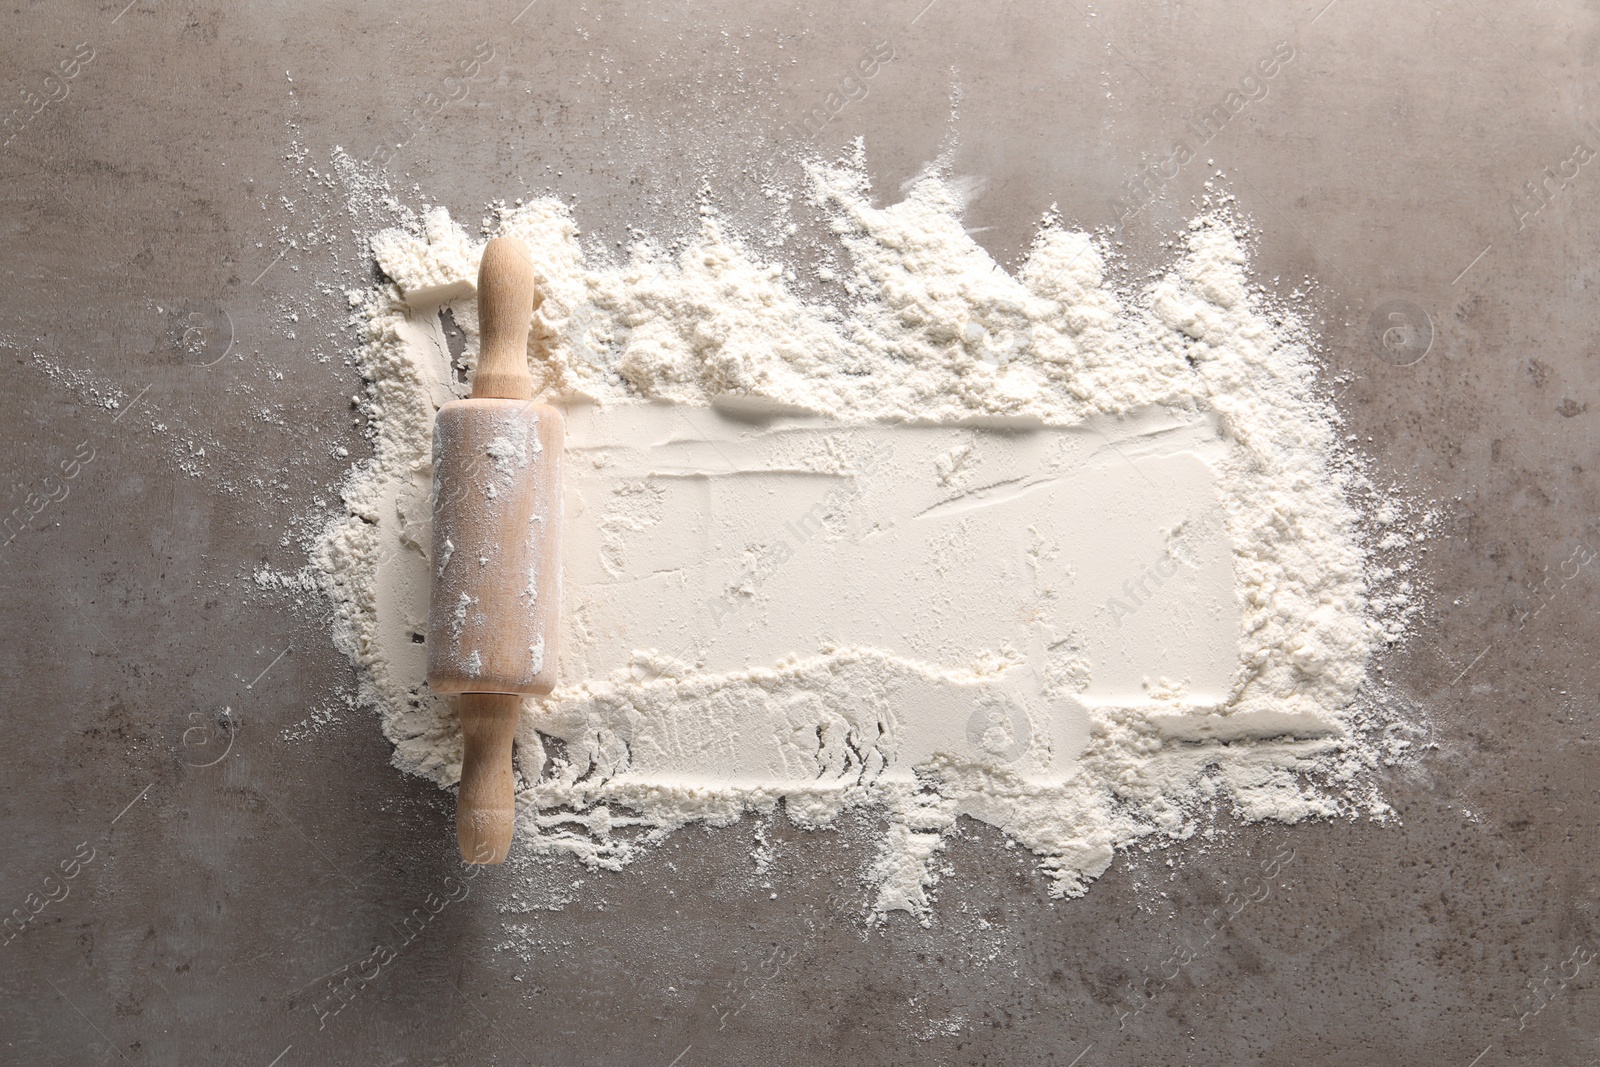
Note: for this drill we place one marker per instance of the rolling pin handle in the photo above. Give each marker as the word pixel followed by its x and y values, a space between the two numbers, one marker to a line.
pixel 486 809
pixel 507 297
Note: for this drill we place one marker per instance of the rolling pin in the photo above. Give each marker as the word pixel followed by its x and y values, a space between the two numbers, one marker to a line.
pixel 496 566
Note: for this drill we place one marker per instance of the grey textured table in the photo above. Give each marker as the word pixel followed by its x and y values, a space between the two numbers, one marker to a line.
pixel 159 191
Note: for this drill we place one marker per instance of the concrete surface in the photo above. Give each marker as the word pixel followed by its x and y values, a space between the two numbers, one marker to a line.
pixel 221 875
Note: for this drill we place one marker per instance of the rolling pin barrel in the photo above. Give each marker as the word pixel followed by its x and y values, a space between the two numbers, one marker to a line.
pixel 496 508
pixel 496 565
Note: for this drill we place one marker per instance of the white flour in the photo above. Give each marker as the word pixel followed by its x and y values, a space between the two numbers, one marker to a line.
pixel 1078 564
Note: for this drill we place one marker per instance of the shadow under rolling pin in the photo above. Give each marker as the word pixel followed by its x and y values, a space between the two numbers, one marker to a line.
pixel 496 561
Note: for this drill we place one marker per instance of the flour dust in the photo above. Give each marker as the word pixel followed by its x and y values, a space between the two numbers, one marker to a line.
pixel 1077 561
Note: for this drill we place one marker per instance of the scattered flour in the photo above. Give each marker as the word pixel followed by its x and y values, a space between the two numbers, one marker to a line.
pixel 1024 723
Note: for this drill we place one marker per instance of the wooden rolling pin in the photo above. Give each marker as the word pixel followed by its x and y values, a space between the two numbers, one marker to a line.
pixel 496 551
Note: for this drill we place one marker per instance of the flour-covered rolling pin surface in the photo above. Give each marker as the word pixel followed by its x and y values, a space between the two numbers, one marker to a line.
pixel 496 559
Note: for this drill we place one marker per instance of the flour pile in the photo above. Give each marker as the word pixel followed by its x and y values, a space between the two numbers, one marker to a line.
pixel 695 688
